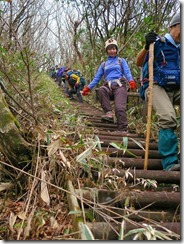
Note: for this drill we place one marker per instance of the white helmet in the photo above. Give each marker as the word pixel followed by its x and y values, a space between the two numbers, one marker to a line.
pixel 111 41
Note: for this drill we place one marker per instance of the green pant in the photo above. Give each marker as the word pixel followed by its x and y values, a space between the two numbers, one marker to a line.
pixel 168 147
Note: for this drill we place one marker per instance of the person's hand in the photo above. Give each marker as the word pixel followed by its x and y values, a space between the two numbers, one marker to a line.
pixel 150 38
pixel 132 84
pixel 85 91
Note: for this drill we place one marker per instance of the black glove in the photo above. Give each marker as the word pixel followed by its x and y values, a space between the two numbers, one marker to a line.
pixel 150 38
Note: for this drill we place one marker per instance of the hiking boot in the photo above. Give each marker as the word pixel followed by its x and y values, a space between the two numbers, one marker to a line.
pixel 108 117
pixel 175 167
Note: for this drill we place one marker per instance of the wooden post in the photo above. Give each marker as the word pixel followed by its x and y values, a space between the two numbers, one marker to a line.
pixel 150 102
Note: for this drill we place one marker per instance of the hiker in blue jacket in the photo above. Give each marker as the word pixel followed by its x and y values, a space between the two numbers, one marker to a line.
pixel 59 75
pixel 166 88
pixel 116 74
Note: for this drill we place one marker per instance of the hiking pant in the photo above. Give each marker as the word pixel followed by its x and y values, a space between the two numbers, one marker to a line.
pixel 163 104
pixel 59 80
pixel 119 95
pixel 76 90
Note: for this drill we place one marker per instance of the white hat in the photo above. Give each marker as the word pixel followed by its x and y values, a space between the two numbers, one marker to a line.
pixel 111 41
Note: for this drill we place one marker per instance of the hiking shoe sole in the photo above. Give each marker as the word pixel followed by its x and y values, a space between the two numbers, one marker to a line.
pixel 175 167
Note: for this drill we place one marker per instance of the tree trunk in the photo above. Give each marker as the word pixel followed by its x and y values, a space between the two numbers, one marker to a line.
pixel 12 145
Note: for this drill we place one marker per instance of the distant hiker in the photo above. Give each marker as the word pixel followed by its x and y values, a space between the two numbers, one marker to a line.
pixel 75 83
pixel 166 88
pixel 52 72
pixel 116 73
pixel 59 75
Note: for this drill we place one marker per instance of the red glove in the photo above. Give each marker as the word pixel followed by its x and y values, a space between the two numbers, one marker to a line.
pixel 85 91
pixel 132 84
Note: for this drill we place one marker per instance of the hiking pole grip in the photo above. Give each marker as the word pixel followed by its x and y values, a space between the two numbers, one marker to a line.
pixel 150 102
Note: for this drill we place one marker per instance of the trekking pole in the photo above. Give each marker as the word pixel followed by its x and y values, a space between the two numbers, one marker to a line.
pixel 150 102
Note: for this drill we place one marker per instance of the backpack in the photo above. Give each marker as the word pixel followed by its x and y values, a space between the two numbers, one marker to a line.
pixel 82 81
pixel 165 75
pixel 74 71
pixel 72 81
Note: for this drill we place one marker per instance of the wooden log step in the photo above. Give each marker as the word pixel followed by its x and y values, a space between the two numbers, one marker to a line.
pixel 140 215
pixel 111 230
pixel 137 199
pixel 161 176
pixel 139 153
pixel 138 163
pixel 130 144
pixel 115 135
pixel 103 125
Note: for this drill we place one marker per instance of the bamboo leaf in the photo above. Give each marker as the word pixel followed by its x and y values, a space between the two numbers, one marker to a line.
pixel 28 226
pixel 138 143
pixel 148 235
pixel 123 148
pixel 5 186
pixel 44 190
pixel 22 215
pixel 134 231
pixel 80 158
pixel 75 212
pixel 53 222
pixel 125 143
pixel 116 145
pixel 127 201
pixel 87 232
pixel 121 234
pixel 53 147
pixel 97 139
pixel 12 220
pixel 89 216
pixel 162 236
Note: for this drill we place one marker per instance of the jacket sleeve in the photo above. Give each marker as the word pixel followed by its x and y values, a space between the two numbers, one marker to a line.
pixel 126 70
pixel 98 76
pixel 141 57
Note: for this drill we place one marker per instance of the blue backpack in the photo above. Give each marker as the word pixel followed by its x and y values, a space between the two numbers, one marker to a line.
pixel 166 74
pixel 77 72
pixel 60 72
pixel 82 80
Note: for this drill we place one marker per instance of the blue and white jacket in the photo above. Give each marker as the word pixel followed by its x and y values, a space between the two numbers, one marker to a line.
pixel 111 71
